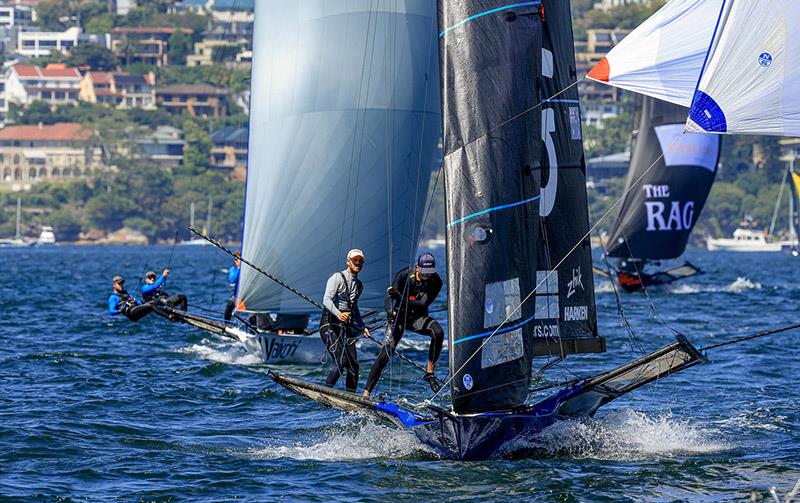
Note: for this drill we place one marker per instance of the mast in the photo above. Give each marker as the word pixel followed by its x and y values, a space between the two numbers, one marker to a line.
pixel 515 197
pixel 671 174
pixel 208 217
pixel 18 235
pixel 191 215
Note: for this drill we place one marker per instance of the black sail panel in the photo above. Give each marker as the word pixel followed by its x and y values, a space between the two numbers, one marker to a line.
pixel 564 302
pixel 657 216
pixel 490 61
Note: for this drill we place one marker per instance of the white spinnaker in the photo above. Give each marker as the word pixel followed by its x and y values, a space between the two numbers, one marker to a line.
pixel 664 55
pixel 751 82
pixel 344 123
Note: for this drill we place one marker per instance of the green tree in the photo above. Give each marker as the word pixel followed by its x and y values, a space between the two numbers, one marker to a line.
pixel 180 44
pixel 94 56
pixel 67 222
pixel 197 149
pixel 100 24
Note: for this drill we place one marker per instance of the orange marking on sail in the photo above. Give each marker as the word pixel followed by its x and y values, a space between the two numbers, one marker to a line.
pixel 600 71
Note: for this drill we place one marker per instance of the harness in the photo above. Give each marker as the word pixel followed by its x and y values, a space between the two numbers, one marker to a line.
pixel 327 317
pixel 126 301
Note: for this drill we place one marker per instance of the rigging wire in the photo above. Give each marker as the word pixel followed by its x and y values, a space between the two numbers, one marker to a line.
pixel 426 208
pixel 355 132
pixel 751 336
pixel 571 250
pixel 647 295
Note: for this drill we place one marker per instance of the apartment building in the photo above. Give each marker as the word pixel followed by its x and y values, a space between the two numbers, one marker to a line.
pixel 199 100
pixel 119 89
pixel 600 101
pixel 55 84
pixel 29 154
pixel 229 151
pixel 37 44
pixel 149 46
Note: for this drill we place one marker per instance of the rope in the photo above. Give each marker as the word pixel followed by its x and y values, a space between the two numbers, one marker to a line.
pixel 515 117
pixel 255 267
pixel 575 247
pixel 752 336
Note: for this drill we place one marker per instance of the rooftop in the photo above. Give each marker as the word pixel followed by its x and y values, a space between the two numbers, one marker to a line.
pixel 192 89
pixel 50 71
pixel 62 131
pixel 145 30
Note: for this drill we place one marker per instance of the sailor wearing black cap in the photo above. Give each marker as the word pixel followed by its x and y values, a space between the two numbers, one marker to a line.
pixel 153 292
pixel 121 302
pixel 341 320
pixel 406 304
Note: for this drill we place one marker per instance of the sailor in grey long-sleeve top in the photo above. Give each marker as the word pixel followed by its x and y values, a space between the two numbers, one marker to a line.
pixel 337 292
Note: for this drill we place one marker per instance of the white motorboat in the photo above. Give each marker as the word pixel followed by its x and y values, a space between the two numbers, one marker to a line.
pixel 746 240
pixel 47 236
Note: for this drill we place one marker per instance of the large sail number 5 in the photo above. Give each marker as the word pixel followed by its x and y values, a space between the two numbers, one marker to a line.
pixel 548 193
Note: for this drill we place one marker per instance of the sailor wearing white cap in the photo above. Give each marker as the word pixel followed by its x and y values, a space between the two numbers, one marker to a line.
pixel 341 321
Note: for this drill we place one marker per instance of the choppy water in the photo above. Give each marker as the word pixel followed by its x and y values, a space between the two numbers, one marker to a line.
pixel 93 408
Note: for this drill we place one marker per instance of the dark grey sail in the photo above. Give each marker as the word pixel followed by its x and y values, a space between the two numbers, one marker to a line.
pixel 515 197
pixel 570 325
pixel 658 215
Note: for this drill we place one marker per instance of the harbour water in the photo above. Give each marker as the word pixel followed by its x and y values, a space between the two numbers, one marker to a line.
pixel 98 408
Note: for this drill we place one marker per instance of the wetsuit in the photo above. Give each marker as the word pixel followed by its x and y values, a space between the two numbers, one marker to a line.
pixel 155 292
pixel 233 279
pixel 341 294
pixel 406 304
pixel 125 304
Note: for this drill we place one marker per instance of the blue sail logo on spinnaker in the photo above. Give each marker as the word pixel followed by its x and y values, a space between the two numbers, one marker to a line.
pixel 765 59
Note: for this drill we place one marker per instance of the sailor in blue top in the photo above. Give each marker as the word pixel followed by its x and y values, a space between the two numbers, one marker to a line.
pixel 121 302
pixel 233 279
pixel 153 292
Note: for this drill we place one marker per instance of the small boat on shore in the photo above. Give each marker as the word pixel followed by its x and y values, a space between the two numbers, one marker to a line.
pixel 47 236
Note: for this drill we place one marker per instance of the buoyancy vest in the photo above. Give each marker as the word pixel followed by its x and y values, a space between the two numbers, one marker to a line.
pixel 126 301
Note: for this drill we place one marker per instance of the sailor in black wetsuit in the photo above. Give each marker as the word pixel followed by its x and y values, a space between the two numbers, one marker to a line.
pixel 153 293
pixel 233 279
pixel 121 302
pixel 406 304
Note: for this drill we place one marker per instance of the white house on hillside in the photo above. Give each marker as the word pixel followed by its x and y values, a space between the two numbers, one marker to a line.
pixel 36 44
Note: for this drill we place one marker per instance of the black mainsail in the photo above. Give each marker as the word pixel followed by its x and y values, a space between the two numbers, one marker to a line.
pixel 676 171
pixel 515 197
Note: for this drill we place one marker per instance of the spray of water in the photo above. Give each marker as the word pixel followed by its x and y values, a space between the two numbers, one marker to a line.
pixel 349 440
pixel 233 354
pixel 627 435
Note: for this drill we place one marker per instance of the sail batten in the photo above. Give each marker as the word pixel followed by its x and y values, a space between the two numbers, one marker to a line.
pixel 344 124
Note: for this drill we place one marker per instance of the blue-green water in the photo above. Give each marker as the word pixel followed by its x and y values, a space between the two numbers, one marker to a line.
pixel 95 408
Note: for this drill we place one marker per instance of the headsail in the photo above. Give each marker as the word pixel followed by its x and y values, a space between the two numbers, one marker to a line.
pixel 658 215
pixel 515 196
pixel 750 82
pixel 663 56
pixel 344 123
pixel 736 63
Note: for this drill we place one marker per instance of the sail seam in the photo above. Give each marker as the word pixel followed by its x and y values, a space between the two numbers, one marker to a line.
pixel 494 208
pixel 498 331
pixel 486 13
